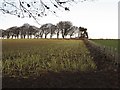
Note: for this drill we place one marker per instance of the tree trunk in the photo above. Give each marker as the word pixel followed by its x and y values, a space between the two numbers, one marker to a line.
pixel 41 36
pixel 86 34
pixel 34 36
pixel 57 35
pixel 45 36
pixel 51 36
pixel 12 36
pixel 24 36
pixel 63 36
pixel 37 36
pixel 8 36
pixel 28 36
pixel 17 36
pixel 20 36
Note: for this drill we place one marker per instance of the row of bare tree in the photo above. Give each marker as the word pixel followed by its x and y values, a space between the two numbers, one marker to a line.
pixel 63 27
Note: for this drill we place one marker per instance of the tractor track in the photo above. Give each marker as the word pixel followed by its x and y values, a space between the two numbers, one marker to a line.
pixel 104 65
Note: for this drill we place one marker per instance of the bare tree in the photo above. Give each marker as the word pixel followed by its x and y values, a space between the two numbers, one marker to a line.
pixel 64 27
pixel 52 30
pixel 17 32
pixel 41 32
pixel 46 29
pixel 84 33
pixel 35 8
pixel 1 33
pixel 35 31
pixel 32 31
pixel 60 26
pixel 24 30
pixel 7 33
pixel 13 31
pixel 72 30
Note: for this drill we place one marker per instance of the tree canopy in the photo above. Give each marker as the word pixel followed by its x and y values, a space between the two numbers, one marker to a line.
pixel 64 28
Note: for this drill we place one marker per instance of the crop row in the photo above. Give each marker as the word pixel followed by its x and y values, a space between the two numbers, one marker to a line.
pixel 33 57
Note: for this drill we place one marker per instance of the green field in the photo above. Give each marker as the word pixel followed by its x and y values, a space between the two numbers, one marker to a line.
pixel 32 57
pixel 108 42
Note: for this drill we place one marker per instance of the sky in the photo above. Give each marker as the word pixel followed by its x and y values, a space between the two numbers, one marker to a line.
pixel 100 17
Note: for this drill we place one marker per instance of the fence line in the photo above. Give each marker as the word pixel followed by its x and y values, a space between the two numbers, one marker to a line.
pixel 109 52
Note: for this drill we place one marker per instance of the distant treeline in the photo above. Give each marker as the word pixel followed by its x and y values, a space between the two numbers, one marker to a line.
pixel 64 28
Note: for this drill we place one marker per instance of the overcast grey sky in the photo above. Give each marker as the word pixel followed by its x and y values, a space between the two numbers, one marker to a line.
pixel 99 17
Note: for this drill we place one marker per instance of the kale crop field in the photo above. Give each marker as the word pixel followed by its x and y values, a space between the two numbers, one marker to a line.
pixel 30 57
pixel 35 63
